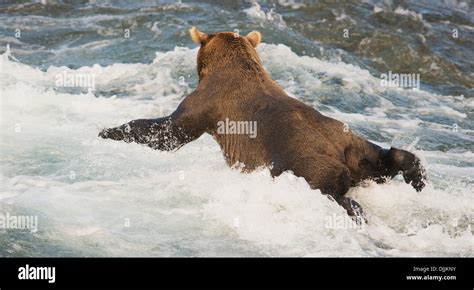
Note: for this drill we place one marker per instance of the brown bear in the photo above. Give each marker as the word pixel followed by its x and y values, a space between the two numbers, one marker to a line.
pixel 235 93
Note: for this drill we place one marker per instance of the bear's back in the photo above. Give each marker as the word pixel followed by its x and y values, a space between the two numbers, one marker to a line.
pixel 285 127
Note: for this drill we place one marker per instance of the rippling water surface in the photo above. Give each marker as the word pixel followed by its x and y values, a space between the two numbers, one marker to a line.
pixel 97 197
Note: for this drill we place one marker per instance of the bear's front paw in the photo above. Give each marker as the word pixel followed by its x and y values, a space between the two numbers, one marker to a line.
pixel 112 133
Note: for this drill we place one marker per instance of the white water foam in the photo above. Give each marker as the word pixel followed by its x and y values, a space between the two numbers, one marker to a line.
pixel 101 197
pixel 256 12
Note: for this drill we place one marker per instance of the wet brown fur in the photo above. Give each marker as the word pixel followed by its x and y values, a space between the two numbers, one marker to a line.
pixel 290 134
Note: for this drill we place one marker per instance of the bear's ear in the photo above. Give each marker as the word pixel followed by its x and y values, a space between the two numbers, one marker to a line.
pixel 254 37
pixel 197 36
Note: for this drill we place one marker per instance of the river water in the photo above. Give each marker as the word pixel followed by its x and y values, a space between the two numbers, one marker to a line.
pixel 96 197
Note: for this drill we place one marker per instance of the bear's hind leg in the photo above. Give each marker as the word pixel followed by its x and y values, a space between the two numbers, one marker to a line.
pixel 332 177
pixel 401 161
pixel 353 208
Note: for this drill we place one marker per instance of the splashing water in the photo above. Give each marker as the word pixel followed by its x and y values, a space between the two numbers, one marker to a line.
pixel 96 197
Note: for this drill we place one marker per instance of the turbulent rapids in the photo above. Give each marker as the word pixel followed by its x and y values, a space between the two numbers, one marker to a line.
pixel 94 197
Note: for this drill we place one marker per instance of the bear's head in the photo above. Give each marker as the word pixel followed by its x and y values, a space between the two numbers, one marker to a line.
pixel 227 50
